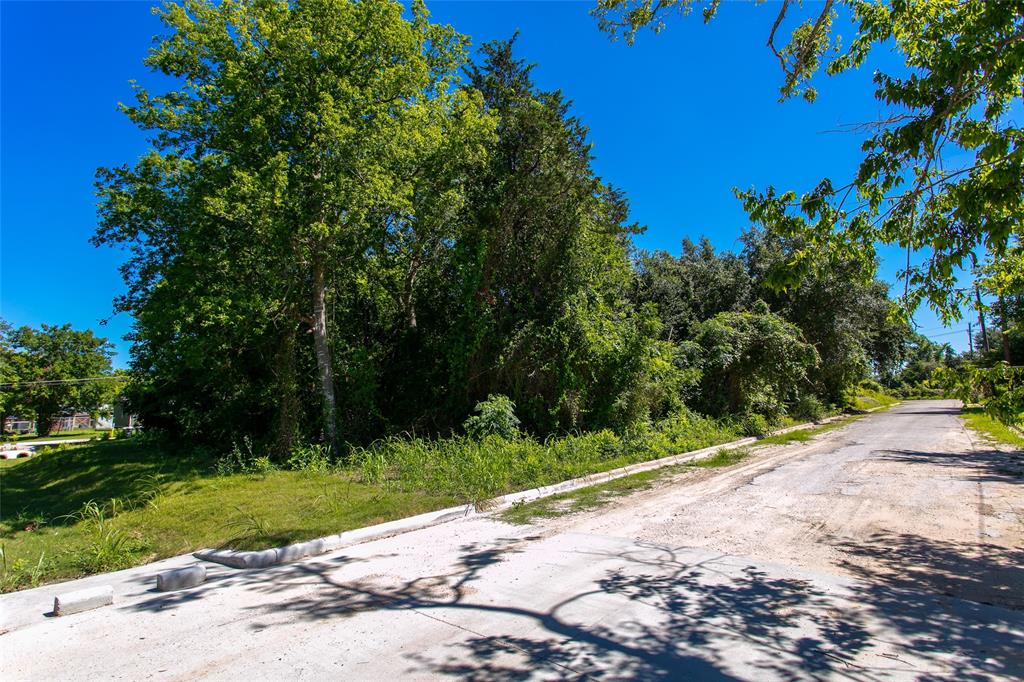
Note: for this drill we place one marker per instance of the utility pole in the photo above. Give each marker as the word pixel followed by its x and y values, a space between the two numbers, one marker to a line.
pixel 970 339
pixel 1006 331
pixel 981 317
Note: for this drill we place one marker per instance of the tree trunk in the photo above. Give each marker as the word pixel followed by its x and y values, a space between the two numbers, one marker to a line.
pixel 1006 331
pixel 323 354
pixel 408 298
pixel 981 318
pixel 44 422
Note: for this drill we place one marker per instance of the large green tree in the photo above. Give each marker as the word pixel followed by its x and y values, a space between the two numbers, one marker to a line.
pixel 301 140
pixel 544 272
pixel 693 287
pixel 751 362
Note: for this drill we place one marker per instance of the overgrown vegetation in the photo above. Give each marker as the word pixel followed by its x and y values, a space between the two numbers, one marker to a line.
pixel 992 428
pixel 106 505
pixel 600 495
pixel 486 286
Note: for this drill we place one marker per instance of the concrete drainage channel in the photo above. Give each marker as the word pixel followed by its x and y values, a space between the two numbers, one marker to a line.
pixel 194 575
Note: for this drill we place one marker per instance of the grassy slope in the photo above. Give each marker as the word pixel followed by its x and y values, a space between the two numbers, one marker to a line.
pixel 63 435
pixel 990 427
pixel 104 505
pixel 867 399
pixel 168 505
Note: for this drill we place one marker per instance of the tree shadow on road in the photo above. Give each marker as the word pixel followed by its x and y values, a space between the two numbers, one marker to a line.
pixel 984 573
pixel 990 466
pixel 666 615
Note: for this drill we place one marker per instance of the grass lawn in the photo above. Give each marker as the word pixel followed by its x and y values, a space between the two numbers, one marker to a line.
pixel 990 427
pixel 63 435
pixel 148 504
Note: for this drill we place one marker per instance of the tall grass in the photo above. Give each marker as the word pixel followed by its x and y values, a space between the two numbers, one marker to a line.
pixel 476 469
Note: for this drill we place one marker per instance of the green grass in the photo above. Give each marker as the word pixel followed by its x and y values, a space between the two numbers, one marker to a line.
pixel 477 470
pixel 867 399
pixel 64 435
pixel 73 510
pixel 990 427
pixel 804 435
pixel 109 505
pixel 600 495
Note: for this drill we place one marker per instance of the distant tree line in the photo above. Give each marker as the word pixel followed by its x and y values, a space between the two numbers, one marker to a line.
pixel 53 371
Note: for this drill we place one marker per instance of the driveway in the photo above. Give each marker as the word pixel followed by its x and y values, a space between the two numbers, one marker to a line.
pixel 887 549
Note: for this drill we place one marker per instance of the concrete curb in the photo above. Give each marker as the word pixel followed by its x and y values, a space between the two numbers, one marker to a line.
pixel 181 578
pixel 301 550
pixel 82 600
pixel 280 555
pixel 593 479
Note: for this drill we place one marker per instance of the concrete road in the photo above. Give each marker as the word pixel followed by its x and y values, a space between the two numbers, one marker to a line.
pixel 888 549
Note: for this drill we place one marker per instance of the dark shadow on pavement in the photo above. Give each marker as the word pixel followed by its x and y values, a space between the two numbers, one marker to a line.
pixel 678 619
pixel 990 466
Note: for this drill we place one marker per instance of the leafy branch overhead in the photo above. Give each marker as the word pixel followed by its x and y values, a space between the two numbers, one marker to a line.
pixel 943 169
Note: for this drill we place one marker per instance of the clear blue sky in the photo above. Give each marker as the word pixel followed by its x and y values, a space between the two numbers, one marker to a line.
pixel 676 121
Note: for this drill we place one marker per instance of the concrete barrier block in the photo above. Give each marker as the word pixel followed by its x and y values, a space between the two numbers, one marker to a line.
pixel 82 600
pixel 181 578
pixel 262 559
pixel 300 550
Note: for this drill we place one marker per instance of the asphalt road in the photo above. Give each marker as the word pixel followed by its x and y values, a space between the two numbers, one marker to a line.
pixel 888 549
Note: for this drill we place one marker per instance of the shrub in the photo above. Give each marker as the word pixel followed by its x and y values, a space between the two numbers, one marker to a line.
pixel 495 416
pixel 243 460
pixel 756 425
pixel 808 408
pixel 872 385
pixel 312 458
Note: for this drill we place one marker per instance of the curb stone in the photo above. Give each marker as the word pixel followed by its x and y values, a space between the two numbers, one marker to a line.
pixel 181 578
pixel 82 600
pixel 280 555
pixel 300 550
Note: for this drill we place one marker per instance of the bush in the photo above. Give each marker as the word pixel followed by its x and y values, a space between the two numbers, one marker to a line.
pixel 872 385
pixel 475 469
pixel 243 460
pixel 808 408
pixel 756 425
pixel 495 416
pixel 312 458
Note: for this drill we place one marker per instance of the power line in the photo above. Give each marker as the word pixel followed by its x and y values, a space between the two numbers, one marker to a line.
pixel 950 333
pixel 56 382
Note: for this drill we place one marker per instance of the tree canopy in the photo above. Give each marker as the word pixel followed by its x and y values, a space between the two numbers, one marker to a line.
pixel 54 370
pixel 347 228
pixel 943 167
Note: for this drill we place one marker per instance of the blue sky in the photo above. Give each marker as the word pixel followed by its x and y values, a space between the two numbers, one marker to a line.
pixel 677 121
